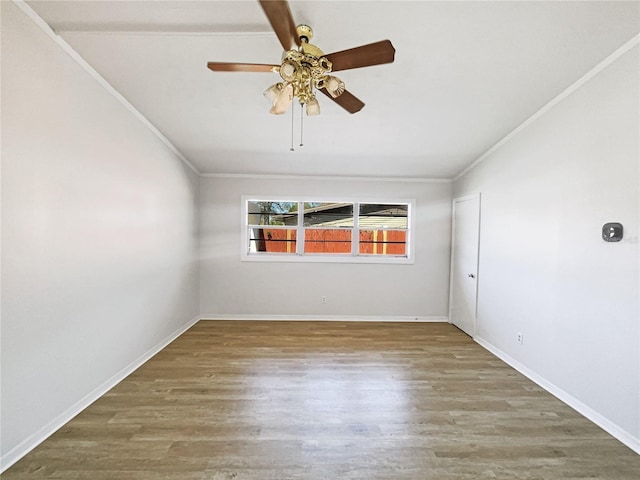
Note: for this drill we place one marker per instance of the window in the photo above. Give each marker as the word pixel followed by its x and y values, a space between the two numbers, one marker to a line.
pixel 328 228
pixel 321 230
pixel 272 227
pixel 383 228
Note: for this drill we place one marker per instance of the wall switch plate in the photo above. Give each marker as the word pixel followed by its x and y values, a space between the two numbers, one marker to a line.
pixel 612 232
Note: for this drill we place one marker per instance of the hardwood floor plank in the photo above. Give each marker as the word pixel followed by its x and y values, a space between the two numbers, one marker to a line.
pixel 327 400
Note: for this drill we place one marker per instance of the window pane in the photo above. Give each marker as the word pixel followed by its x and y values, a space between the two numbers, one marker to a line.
pixel 383 242
pixel 327 240
pixel 272 240
pixel 382 215
pixel 328 214
pixel 272 213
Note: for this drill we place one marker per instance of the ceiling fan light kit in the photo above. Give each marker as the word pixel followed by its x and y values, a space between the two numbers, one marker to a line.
pixel 334 86
pixel 273 92
pixel 305 68
pixel 313 107
pixel 283 100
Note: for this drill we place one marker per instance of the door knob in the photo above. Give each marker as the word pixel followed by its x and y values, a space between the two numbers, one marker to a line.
pixel 471 275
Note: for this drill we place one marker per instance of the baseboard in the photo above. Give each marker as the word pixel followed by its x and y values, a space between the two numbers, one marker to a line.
pixel 31 442
pixel 607 425
pixel 324 318
pixel 20 450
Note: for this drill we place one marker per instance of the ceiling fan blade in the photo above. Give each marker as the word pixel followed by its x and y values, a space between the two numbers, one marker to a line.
pixel 347 101
pixel 363 56
pixel 281 20
pixel 241 67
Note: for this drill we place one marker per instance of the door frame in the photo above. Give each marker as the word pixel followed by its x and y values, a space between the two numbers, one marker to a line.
pixel 464 198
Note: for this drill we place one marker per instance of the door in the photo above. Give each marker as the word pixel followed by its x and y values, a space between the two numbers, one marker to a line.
pixel 465 243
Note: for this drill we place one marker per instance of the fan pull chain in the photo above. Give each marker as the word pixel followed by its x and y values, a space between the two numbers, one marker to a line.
pixel 291 149
pixel 301 119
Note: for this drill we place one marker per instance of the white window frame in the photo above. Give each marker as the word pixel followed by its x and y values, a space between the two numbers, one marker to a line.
pixel 300 256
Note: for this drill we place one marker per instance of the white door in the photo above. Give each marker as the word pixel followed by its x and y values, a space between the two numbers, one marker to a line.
pixel 464 263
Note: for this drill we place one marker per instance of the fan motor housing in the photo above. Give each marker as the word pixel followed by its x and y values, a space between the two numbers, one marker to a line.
pixel 311 50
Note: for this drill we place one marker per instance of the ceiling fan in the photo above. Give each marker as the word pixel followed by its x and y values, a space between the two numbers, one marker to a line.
pixel 305 68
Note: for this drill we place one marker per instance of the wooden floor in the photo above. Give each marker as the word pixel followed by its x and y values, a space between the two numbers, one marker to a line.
pixel 318 400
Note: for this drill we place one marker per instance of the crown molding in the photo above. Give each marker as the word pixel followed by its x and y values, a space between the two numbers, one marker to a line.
pixel 262 176
pixel 29 12
pixel 572 88
pixel 70 30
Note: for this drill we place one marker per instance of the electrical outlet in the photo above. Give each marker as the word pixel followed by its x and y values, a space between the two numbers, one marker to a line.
pixel 324 299
pixel 519 338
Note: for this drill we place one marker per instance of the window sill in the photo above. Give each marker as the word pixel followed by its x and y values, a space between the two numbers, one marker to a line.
pixel 346 258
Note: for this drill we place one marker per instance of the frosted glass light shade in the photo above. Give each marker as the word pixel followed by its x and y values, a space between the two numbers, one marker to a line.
pixel 313 107
pixel 288 71
pixel 334 86
pixel 273 92
pixel 283 101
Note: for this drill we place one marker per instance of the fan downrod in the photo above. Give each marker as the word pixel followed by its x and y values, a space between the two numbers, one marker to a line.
pixel 304 32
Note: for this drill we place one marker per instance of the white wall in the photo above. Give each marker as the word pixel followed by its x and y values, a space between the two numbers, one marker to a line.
pixel 544 269
pixel 231 288
pixel 99 236
pixel 99 244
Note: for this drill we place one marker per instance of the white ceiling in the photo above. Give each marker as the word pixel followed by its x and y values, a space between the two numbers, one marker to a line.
pixel 465 75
